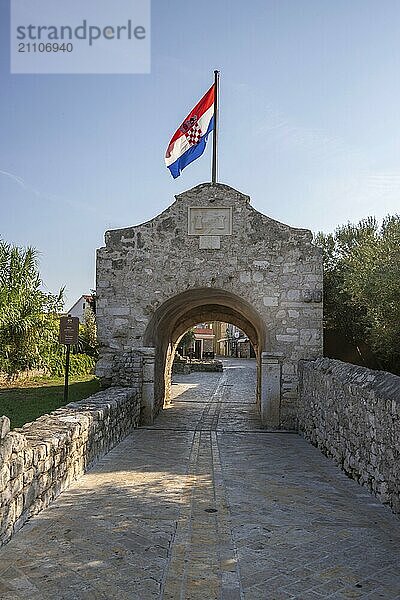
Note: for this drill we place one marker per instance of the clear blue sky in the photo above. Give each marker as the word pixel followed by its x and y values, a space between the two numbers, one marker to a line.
pixel 310 125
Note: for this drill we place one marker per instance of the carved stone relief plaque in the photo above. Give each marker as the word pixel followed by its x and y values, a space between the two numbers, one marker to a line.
pixel 209 221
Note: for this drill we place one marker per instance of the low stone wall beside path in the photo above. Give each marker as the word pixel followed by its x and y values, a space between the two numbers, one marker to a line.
pixel 353 415
pixel 41 459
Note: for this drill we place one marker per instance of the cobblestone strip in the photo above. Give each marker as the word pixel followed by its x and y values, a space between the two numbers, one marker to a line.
pixel 209 418
pixel 203 563
pixel 173 585
pixel 231 588
pixel 203 574
pixel 193 567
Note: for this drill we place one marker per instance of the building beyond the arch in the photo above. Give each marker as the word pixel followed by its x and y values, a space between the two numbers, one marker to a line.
pixel 209 256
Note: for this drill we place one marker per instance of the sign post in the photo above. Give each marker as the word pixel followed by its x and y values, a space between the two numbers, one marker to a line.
pixel 69 332
pixel 66 374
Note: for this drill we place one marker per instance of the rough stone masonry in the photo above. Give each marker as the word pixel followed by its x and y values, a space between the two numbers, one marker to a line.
pixel 209 256
pixel 41 459
pixel 352 414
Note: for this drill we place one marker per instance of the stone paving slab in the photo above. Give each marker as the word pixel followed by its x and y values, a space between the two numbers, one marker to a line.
pixel 206 505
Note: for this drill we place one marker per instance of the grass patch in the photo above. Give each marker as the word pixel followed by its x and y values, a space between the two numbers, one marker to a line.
pixel 25 402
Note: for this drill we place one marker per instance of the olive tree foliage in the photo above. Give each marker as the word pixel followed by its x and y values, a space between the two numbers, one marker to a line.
pixel 88 334
pixel 27 314
pixel 187 340
pixel 362 285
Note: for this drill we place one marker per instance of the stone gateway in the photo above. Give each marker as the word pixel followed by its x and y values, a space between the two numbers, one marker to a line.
pixel 210 256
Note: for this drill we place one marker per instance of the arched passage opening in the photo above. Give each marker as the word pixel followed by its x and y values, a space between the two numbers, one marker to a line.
pixel 173 318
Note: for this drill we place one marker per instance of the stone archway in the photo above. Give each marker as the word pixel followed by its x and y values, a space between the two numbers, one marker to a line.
pixel 179 313
pixel 209 256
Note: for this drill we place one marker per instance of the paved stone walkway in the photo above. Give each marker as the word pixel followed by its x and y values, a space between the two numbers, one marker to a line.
pixel 205 505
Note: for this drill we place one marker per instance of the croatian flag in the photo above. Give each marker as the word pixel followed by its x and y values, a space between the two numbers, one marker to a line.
pixel 189 141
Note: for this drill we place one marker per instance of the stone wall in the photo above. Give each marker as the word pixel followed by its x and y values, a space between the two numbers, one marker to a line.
pixel 353 415
pixel 210 366
pixel 41 459
pixel 127 370
pixel 185 367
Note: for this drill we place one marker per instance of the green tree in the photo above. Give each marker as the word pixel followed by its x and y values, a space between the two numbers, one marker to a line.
pixel 26 312
pixel 187 340
pixel 88 334
pixel 362 285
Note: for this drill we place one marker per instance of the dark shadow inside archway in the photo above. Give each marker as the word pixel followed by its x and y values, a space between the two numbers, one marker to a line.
pixel 173 318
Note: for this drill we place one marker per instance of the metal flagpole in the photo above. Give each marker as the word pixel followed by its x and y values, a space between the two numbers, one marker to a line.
pixel 215 132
